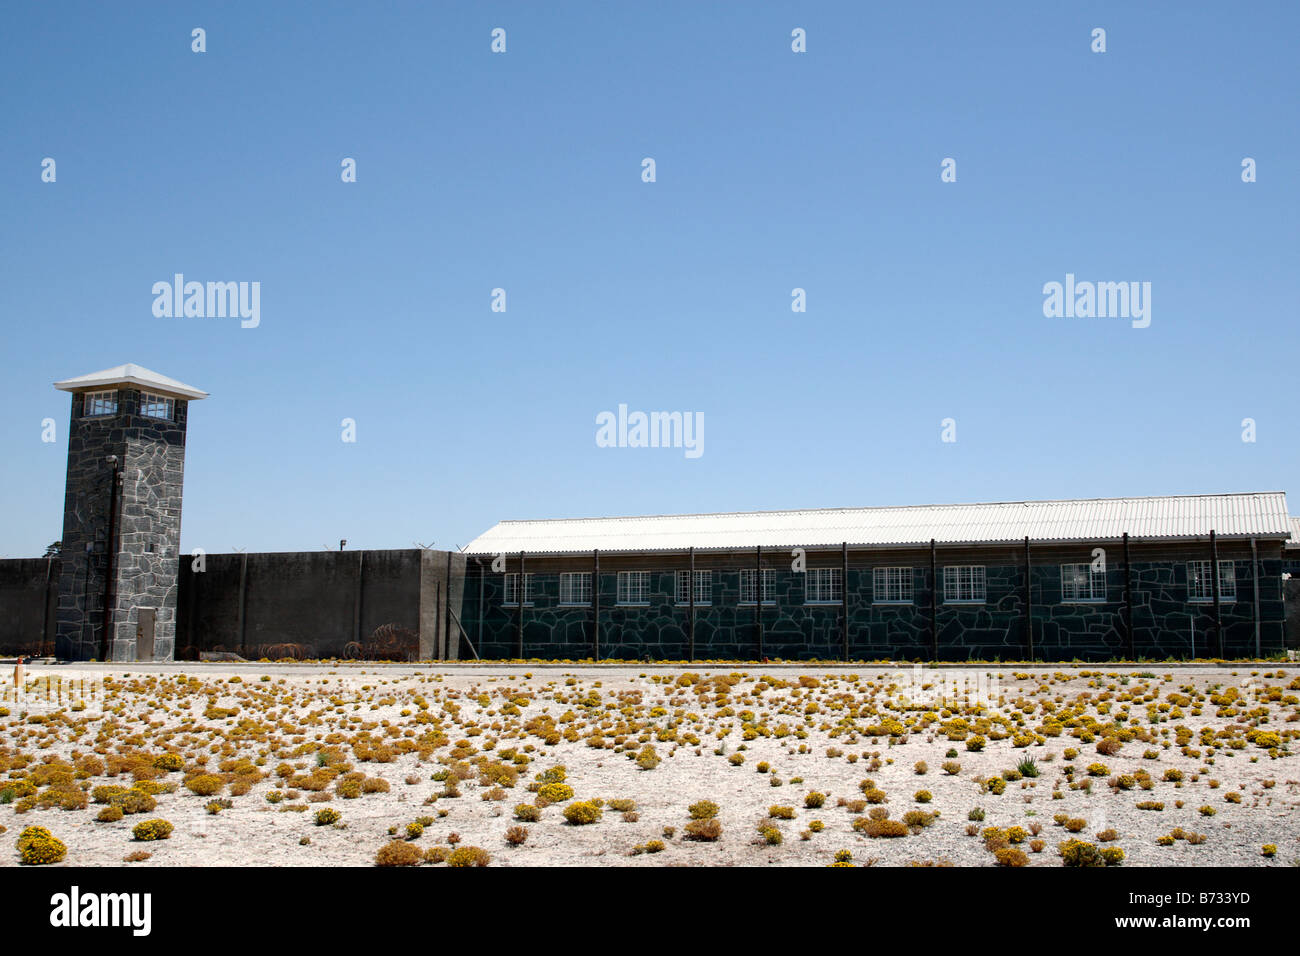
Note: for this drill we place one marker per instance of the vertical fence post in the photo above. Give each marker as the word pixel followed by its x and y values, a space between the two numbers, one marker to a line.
pixel 520 594
pixel 446 641
pixel 1128 601
pixel 1214 578
pixel 1254 577
pixel 690 589
pixel 758 597
pixel 243 591
pixel 934 599
pixel 844 599
pixel 1029 602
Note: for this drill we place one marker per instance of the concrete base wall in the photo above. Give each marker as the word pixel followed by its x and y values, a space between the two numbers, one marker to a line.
pixel 29 594
pixel 311 604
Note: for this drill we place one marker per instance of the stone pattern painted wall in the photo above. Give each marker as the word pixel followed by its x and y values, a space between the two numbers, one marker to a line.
pixel 151 454
pixel 1165 623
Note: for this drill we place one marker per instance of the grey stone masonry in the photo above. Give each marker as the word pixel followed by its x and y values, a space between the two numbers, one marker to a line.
pixel 149 471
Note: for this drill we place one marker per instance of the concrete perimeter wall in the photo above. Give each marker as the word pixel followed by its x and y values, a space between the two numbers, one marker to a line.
pixel 426 605
pixel 29 595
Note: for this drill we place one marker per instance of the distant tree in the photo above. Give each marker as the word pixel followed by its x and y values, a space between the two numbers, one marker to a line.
pixel 53 550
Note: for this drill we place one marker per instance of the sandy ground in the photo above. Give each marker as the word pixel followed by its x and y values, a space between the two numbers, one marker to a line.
pixel 822 738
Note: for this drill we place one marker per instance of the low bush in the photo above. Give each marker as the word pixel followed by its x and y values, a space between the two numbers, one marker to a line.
pixel 398 853
pixel 147 830
pixel 464 856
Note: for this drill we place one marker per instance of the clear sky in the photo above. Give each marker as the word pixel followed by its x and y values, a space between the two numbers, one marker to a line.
pixel 774 170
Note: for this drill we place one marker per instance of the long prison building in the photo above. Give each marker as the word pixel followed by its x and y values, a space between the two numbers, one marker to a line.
pixel 1048 580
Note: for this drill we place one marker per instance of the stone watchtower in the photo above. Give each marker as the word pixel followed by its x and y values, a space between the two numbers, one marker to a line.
pixel 122 515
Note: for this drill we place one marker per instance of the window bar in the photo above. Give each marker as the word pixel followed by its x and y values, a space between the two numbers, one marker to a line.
pixel 595 604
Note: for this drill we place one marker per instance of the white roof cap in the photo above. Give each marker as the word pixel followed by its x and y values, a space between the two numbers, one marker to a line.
pixel 1169 517
pixel 130 374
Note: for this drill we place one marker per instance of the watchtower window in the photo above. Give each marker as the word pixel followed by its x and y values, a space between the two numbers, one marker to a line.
pixel 101 403
pixel 155 406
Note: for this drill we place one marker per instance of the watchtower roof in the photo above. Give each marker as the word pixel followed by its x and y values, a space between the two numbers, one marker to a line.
pixel 131 374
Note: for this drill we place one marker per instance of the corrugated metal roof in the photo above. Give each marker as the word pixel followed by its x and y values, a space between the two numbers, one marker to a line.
pixel 1261 515
pixel 1295 533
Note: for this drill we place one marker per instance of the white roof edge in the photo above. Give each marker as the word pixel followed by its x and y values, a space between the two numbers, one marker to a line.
pixel 1169 518
pixel 131 374
pixel 869 545
pixel 943 504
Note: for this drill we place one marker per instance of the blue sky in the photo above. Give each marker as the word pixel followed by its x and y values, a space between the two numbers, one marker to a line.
pixel 775 170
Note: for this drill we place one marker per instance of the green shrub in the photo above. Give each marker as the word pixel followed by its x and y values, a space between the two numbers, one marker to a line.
pixel 469 856
pixel 327 816
pixel 205 784
pixel 703 810
pixel 707 831
pixel 168 763
pixel 398 853
pixel 147 830
pixel 1010 856
pixel 582 813
pixel 880 828
pixel 1080 853
pixel 37 847
pixel 135 801
pixel 555 792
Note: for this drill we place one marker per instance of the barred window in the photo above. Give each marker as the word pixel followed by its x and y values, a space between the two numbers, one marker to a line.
pixel 703 587
pixel 100 403
pixel 823 585
pixel 634 587
pixel 1201 588
pixel 155 406
pixel 575 587
pixel 964 582
pixel 1082 582
pixel 891 585
pixel 747 577
pixel 512 589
